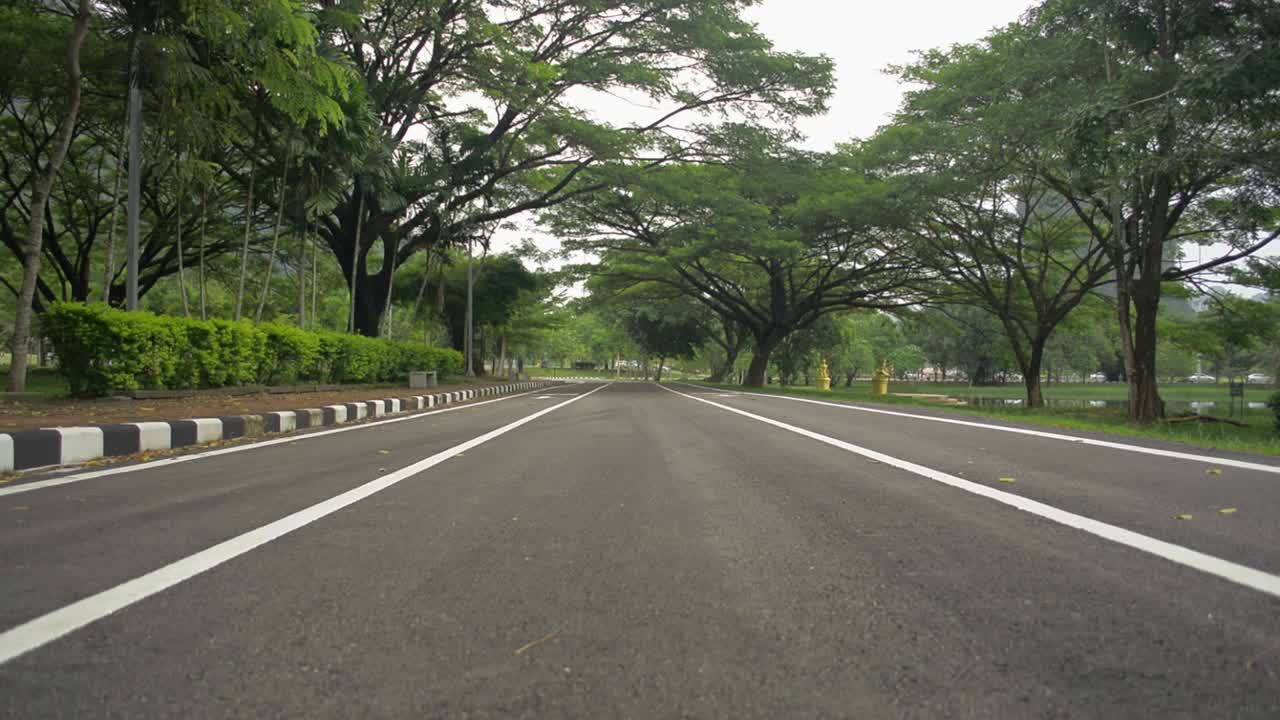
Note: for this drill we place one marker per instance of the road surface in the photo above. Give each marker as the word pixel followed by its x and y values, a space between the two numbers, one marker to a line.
pixel 631 551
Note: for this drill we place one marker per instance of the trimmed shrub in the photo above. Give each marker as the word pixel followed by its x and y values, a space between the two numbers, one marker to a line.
pixel 291 355
pixel 101 349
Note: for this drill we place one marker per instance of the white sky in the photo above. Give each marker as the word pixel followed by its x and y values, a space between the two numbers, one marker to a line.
pixel 862 38
pixel 865 37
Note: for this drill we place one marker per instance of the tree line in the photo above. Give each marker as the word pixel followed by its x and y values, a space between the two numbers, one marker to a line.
pixel 215 145
pixel 1076 166
pixel 1094 153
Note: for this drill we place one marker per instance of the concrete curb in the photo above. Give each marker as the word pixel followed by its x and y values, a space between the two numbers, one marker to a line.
pixel 26 449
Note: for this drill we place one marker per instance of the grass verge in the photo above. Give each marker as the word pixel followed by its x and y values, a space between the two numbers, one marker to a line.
pixel 1258 436
pixel 45 381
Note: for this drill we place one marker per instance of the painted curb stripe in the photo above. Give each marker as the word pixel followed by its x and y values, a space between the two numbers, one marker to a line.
pixel 49 447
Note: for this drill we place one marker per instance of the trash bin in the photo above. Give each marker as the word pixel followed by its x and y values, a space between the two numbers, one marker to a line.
pixel 421 379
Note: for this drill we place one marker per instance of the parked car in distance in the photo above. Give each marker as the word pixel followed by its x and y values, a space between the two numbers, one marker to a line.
pixel 1258 379
pixel 1098 377
pixel 1201 378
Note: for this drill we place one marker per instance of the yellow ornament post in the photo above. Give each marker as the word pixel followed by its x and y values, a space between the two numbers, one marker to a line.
pixel 880 380
pixel 824 377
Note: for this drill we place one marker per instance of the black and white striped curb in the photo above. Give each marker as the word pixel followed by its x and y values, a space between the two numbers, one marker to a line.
pixel 25 449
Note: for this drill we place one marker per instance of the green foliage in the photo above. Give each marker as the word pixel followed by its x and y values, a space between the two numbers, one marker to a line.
pixel 666 331
pixel 907 359
pixel 101 350
pixel 1273 403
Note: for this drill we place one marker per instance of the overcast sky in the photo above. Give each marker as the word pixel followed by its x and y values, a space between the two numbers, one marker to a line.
pixel 863 38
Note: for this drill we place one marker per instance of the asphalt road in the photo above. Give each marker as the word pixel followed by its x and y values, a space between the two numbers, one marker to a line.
pixel 628 551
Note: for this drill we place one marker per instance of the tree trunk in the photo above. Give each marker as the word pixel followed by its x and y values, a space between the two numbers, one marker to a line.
pixel 422 289
pixel 730 359
pixel 182 275
pixel 315 265
pixel 275 235
pixel 244 251
pixel 39 198
pixel 1031 374
pixel 1145 405
pixel 502 354
pixel 302 278
pixel 468 331
pixel 315 285
pixel 356 266
pixel 389 265
pixel 302 258
pixel 204 227
pixel 133 218
pixel 759 367
pixel 109 272
pixel 657 375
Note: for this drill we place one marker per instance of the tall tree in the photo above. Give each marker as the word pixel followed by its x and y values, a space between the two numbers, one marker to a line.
pixel 1165 114
pixel 772 243
pixel 483 100
pixel 666 331
pixel 40 196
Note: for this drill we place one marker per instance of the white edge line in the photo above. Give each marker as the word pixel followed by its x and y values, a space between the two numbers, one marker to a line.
pixel 51 626
pixel 1225 569
pixel 1243 464
pixel 79 477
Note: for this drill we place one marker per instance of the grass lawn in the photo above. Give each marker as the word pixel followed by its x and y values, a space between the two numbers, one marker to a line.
pixel 1177 392
pixel 1258 436
pixel 45 381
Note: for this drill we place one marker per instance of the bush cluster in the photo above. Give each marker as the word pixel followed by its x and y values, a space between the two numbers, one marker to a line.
pixel 101 349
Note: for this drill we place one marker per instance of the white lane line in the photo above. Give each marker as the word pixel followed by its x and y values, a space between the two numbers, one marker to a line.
pixel 1225 569
pixel 47 628
pixel 1228 462
pixel 79 477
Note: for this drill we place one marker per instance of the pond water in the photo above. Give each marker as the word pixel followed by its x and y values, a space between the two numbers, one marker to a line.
pixel 1174 407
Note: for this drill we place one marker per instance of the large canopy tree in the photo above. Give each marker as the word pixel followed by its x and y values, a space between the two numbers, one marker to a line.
pixel 770 243
pixel 996 234
pixel 487 109
pixel 204 65
pixel 1162 121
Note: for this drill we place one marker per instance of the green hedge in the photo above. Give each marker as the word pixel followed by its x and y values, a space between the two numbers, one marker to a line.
pixel 101 349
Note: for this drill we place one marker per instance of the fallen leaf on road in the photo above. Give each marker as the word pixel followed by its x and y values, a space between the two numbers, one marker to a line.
pixel 382 470
pixel 1182 517
pixel 1213 471
pixel 1008 480
pixel 384 452
pixel 1227 511
pixel 458 455
pixel 529 646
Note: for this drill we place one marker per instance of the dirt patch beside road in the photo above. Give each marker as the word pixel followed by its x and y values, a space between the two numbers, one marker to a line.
pixel 104 411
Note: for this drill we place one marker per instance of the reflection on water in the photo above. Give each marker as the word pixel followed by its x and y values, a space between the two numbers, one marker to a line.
pixel 1201 407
